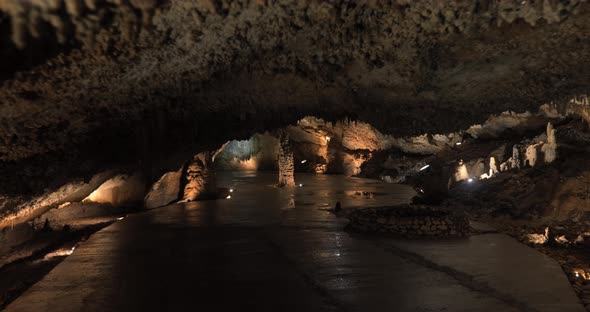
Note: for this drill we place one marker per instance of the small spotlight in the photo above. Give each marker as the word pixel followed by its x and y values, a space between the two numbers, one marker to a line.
pixel 231 190
pixel 458 143
pixel 425 167
pixel 327 139
pixel 300 185
pixel 228 197
pixel 73 248
pixel 470 180
pixel 304 161
pixel 577 274
pixel 120 218
pixel 422 191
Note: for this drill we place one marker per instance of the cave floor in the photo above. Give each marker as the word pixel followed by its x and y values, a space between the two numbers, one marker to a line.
pixel 269 249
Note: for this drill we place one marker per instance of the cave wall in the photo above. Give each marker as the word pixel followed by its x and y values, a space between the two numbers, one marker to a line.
pixel 144 85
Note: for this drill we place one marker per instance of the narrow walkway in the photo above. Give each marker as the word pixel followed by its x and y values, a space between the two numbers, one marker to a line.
pixel 276 250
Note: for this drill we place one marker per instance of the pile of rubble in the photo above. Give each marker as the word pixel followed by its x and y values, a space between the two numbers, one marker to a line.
pixel 410 221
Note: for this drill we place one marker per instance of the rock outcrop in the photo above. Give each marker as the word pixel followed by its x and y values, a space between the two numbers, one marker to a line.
pixel 165 191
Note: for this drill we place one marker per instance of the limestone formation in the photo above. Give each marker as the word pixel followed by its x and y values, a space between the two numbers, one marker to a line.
pixel 550 148
pixel 532 154
pixel 461 172
pixel 199 178
pixel 121 190
pixel 15 210
pixel 139 84
pixel 285 160
pixel 165 191
pixel 493 166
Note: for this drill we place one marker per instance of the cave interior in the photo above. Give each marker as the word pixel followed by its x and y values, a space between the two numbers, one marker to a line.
pixel 294 155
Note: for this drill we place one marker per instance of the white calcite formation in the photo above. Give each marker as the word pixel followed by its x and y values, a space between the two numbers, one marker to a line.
pixel 528 153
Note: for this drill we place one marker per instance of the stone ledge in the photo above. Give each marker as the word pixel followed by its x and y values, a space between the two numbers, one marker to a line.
pixel 409 221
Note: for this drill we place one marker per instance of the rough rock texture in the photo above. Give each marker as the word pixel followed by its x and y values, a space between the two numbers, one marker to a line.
pixel 70 215
pixel 410 221
pixel 285 160
pixel 165 191
pixel 257 153
pixel 119 191
pixel 14 210
pixel 143 85
pixel 554 187
pixel 199 179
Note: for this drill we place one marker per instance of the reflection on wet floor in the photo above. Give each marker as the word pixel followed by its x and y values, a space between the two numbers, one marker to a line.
pixel 273 249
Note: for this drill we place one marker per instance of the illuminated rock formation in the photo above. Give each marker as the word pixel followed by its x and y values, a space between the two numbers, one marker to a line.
pixel 141 85
pixel 550 148
pixel 532 154
pixel 200 178
pixel 15 210
pixel 165 191
pixel 461 172
pixel 493 166
pixel 285 160
pixel 121 190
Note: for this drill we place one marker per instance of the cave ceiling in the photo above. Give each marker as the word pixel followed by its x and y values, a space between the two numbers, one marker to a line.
pixel 88 85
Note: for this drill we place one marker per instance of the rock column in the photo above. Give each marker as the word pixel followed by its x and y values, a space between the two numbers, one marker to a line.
pixel 550 148
pixel 200 178
pixel 285 158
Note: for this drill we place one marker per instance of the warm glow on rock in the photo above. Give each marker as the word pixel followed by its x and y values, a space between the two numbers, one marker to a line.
pixel 461 172
pixel 120 190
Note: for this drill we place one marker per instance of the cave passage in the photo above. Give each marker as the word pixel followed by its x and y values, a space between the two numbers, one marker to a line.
pixel 294 155
pixel 269 248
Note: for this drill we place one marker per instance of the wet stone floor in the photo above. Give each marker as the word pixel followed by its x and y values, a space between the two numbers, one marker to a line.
pixel 270 249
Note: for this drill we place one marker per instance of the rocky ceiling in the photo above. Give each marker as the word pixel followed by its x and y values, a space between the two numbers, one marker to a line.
pixel 90 84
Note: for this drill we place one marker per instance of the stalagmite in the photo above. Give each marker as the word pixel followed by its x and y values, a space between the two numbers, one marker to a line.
pixel 549 149
pixel 531 154
pixel 493 167
pixel 286 164
pixel 514 162
pixel 461 172
pixel 478 168
pixel 200 177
